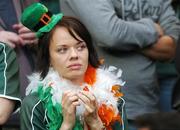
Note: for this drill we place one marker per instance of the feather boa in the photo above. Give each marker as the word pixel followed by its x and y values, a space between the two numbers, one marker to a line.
pixel 104 85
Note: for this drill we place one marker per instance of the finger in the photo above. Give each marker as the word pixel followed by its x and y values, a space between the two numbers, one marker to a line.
pixel 73 98
pixel 70 108
pixel 76 103
pixel 69 97
pixel 89 104
pixel 10 38
pixel 28 36
pixel 84 98
pixel 16 26
pixel 64 95
pixel 14 38
pixel 159 29
pixel 89 108
pixel 25 42
pixel 70 101
pixel 24 30
pixel 89 95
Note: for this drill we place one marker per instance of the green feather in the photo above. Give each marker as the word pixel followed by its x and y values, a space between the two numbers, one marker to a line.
pixel 54 111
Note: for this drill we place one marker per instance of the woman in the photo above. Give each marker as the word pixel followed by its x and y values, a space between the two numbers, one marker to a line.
pixel 69 91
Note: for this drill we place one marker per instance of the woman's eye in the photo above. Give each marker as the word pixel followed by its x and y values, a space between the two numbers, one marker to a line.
pixel 62 50
pixel 81 47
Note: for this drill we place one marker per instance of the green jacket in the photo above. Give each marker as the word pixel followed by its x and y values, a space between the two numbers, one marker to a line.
pixel 9 81
pixel 34 116
pixel 42 110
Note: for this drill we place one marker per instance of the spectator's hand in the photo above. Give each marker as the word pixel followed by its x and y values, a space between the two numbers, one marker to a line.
pixel 91 113
pixel 159 30
pixel 69 103
pixel 10 38
pixel 27 35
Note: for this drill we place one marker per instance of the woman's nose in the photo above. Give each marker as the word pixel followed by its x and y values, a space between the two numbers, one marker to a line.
pixel 74 53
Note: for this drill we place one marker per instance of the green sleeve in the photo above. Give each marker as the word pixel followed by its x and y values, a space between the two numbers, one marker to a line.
pixel 9 74
pixel 32 114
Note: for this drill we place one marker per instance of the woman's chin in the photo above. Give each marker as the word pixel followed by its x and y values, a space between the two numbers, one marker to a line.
pixel 74 76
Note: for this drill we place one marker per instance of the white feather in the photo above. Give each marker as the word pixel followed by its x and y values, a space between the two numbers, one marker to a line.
pixel 106 78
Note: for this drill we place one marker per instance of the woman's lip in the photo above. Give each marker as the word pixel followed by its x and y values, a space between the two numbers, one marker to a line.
pixel 75 66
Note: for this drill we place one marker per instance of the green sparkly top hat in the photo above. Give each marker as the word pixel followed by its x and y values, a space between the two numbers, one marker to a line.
pixel 39 19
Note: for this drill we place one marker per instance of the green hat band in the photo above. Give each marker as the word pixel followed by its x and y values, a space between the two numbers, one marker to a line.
pixel 37 18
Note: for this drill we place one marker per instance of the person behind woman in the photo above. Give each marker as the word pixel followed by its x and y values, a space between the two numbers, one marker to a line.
pixel 176 90
pixel 70 89
pixel 158 121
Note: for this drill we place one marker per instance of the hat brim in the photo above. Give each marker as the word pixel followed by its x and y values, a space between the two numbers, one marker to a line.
pixel 47 28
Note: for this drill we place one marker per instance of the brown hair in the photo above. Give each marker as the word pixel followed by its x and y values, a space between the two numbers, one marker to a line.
pixel 72 25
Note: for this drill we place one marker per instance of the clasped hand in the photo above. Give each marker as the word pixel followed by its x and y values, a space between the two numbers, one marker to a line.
pixel 72 99
pixel 22 37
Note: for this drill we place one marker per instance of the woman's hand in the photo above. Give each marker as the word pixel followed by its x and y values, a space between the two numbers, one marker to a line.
pixel 69 103
pixel 91 113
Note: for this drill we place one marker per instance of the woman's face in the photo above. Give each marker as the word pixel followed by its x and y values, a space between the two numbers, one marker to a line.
pixel 67 55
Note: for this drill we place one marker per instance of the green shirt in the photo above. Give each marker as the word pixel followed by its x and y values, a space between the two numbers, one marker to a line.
pixel 33 115
pixel 9 76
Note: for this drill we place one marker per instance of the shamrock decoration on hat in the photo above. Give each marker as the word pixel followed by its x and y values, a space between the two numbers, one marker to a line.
pixel 39 19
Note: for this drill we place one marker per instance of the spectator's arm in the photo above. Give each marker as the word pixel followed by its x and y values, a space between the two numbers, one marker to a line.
pixel 108 29
pixel 169 22
pixel 7 107
pixel 164 49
